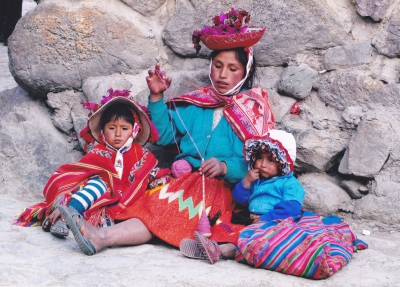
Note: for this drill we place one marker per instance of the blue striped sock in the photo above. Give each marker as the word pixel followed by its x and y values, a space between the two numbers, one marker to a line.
pixel 92 191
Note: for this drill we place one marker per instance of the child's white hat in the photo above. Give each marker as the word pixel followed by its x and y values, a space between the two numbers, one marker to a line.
pixel 282 144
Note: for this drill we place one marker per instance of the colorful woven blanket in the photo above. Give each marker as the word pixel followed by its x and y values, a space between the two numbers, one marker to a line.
pixel 312 246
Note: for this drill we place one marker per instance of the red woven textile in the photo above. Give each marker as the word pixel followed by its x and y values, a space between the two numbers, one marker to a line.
pixel 172 211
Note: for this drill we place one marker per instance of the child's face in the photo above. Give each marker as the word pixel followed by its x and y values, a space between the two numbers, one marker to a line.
pixel 117 132
pixel 267 165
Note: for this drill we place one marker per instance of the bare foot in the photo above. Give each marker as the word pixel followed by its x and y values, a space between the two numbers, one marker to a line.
pixel 94 234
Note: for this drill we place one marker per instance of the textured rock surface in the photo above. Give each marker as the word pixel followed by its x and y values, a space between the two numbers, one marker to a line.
pixel 340 66
pixel 31 146
pixel 388 41
pixel 72 42
pixel 372 8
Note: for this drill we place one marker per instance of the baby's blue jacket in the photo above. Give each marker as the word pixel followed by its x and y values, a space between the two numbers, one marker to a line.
pixel 275 198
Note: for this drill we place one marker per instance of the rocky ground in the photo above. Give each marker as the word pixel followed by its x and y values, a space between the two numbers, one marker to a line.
pixel 30 257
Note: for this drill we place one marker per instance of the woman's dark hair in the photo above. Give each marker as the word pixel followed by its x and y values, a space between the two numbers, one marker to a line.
pixel 115 112
pixel 241 55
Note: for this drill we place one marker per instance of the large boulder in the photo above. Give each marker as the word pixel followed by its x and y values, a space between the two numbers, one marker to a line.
pixel 323 195
pixel 369 148
pixel 348 56
pixel 292 26
pixel 388 41
pixel 375 9
pixel 72 42
pixel 31 146
pixel 343 89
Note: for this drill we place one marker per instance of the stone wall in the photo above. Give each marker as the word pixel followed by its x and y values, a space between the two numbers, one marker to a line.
pixel 338 59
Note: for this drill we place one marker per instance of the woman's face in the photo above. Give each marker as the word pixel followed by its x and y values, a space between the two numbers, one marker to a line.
pixel 226 71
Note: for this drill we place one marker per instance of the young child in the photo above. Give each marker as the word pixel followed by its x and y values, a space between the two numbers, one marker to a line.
pixel 269 190
pixel 280 236
pixel 110 177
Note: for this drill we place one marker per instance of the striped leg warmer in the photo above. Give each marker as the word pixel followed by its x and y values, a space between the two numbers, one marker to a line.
pixel 83 199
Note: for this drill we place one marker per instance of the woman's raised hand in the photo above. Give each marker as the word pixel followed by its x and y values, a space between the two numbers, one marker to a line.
pixel 157 83
pixel 213 167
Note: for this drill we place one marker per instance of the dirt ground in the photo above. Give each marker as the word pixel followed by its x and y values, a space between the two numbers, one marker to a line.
pixel 31 257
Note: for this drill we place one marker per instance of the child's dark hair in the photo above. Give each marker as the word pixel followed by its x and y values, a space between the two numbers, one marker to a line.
pixel 115 112
pixel 241 56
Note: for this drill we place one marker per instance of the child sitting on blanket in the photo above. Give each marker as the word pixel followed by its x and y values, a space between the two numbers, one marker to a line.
pixel 280 236
pixel 269 190
pixel 108 178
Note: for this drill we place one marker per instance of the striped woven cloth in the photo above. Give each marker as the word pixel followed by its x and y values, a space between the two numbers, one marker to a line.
pixel 313 246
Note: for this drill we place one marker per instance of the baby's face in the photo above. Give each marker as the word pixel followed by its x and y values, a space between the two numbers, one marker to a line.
pixel 117 132
pixel 267 165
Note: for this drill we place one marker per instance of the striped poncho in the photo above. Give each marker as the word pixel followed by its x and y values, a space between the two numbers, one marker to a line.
pixel 68 179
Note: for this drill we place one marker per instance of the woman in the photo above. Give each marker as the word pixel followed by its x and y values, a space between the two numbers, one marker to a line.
pixel 210 124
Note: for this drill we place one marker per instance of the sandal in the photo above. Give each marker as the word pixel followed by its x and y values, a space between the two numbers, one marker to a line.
pixel 71 216
pixel 190 249
pixel 46 225
pixel 59 229
pixel 209 248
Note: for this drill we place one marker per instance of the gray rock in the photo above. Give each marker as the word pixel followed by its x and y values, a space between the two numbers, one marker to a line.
pixel 144 7
pixel 95 88
pixel 375 9
pixel 353 115
pixel 75 41
pixel 297 81
pixel 283 37
pixel 387 42
pixel 363 189
pixel 280 105
pixel 66 105
pixel 352 187
pixel 344 89
pixel 348 55
pixel 382 205
pixel 368 149
pixel 32 148
pixel 317 150
pixel 323 196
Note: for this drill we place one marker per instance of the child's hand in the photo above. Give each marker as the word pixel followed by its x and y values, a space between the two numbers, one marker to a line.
pixel 251 176
pixel 54 216
pixel 255 217
pixel 157 83
pixel 213 167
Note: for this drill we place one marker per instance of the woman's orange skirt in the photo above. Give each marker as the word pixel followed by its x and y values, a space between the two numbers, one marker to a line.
pixel 172 211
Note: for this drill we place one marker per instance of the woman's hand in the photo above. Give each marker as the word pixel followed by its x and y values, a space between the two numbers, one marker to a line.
pixel 213 167
pixel 251 176
pixel 157 83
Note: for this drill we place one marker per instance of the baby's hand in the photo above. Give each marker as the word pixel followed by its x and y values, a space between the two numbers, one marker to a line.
pixel 157 83
pixel 251 176
pixel 255 217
